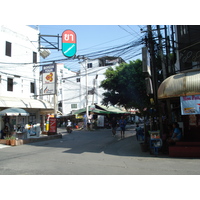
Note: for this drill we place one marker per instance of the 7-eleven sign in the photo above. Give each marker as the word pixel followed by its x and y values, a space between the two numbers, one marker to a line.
pixel 68 43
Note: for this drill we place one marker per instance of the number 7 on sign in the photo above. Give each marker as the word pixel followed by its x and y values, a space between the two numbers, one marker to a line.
pixel 68 43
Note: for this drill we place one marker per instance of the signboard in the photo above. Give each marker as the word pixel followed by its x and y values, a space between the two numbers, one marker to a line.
pixel 48 79
pixel 190 105
pixel 52 125
pixel 68 43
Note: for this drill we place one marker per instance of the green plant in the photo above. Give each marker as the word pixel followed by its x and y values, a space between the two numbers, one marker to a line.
pixel 12 138
pixel 7 138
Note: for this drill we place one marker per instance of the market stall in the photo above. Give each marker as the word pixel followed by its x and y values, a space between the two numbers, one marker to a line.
pixel 15 120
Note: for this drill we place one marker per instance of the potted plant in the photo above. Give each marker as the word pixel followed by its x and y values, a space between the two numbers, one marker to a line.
pixel 12 140
pixel 7 138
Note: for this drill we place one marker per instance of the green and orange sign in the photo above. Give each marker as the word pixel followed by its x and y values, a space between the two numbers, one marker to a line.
pixel 69 43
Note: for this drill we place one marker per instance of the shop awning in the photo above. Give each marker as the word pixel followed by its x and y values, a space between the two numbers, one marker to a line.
pixel 11 102
pixel 14 112
pixel 183 84
pixel 112 109
pixel 100 109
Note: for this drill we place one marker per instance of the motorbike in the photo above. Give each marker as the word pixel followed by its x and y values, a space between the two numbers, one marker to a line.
pixel 69 129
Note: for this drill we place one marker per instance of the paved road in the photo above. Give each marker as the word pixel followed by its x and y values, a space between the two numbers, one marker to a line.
pixel 90 153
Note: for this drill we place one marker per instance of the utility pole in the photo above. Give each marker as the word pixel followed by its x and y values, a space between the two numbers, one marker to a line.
pixel 173 49
pixel 153 72
pixel 167 46
pixel 153 66
pixel 55 95
pixel 161 52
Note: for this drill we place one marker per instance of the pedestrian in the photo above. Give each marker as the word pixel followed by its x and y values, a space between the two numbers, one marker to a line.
pixel 113 124
pixel 4 132
pixel 122 125
pixel 89 122
pixel 139 132
pixel 177 134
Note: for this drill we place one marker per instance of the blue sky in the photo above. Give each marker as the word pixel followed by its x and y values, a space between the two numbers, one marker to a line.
pixel 92 38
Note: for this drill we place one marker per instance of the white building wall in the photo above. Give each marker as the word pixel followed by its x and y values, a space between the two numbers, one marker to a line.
pixel 75 92
pixel 24 41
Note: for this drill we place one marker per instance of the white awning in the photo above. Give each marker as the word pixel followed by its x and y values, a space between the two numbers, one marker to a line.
pixel 14 112
pixel 13 102
pixel 182 84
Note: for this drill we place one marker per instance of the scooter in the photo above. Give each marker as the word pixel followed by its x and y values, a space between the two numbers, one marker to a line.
pixel 69 129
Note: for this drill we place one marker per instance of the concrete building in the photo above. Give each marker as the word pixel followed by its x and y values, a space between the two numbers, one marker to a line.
pixel 19 75
pixel 85 84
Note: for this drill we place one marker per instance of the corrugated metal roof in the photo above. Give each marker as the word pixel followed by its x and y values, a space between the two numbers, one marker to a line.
pixel 183 84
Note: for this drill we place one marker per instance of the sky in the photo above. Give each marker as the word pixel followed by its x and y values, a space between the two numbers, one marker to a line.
pixel 92 38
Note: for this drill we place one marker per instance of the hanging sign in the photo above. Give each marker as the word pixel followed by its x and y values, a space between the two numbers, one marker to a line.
pixel 190 105
pixel 68 43
pixel 48 79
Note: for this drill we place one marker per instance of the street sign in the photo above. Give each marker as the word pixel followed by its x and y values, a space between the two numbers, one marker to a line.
pixel 68 43
pixel 48 79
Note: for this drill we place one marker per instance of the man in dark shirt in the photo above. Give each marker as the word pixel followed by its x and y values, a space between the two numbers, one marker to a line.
pixel 113 124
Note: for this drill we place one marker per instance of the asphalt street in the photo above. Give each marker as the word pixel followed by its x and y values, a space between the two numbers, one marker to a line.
pixel 91 153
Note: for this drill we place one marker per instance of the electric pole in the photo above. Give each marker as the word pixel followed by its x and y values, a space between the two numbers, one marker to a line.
pixel 153 66
pixel 161 53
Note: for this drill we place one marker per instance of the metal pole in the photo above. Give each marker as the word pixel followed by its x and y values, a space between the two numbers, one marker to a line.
pixel 86 77
pixel 55 95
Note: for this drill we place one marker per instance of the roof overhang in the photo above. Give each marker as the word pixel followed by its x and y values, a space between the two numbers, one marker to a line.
pixel 183 84
pixel 10 102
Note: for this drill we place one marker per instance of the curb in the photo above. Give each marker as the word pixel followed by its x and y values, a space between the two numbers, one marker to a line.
pixel 32 140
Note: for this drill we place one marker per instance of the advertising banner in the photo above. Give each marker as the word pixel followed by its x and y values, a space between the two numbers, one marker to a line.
pixel 48 79
pixel 190 105
pixel 52 125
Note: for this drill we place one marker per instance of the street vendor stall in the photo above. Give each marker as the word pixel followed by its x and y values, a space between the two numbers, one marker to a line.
pixel 15 119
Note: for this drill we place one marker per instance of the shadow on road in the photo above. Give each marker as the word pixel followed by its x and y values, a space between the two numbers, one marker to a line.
pixel 98 141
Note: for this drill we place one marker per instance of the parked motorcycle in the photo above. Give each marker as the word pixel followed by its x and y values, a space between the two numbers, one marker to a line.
pixel 69 129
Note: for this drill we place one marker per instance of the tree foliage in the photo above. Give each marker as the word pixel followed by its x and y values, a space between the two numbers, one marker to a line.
pixel 125 86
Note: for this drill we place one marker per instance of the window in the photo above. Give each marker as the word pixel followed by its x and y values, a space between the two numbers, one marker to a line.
pixel 89 65
pixel 34 57
pixel 9 84
pixel 78 80
pixel 73 105
pixel 32 88
pixel 8 48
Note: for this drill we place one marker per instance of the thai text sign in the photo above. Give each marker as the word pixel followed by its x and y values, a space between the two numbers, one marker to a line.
pixel 190 105
pixel 48 79
pixel 68 43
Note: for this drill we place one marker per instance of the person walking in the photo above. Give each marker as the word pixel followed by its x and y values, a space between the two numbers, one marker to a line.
pixel 139 132
pixel 113 124
pixel 122 125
